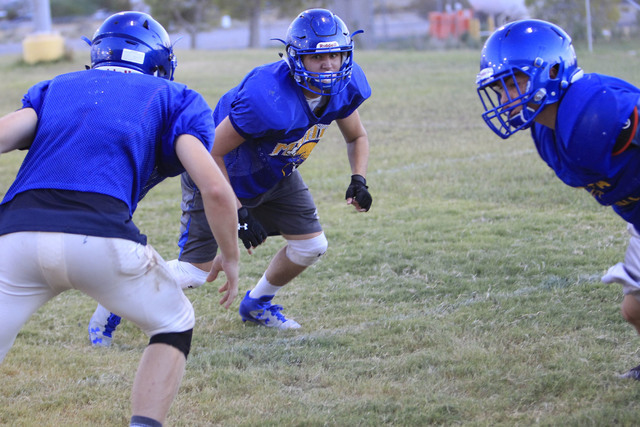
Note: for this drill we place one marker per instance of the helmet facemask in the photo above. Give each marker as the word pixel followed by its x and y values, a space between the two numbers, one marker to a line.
pixel 322 83
pixel 510 100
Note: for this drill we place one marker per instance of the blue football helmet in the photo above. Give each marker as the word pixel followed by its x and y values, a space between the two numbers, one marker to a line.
pixel 539 50
pixel 136 41
pixel 319 31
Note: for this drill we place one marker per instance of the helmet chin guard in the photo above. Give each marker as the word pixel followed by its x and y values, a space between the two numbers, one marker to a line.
pixel 135 41
pixel 531 50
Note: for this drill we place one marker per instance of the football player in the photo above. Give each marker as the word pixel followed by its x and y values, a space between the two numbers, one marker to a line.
pixel 97 141
pixel 584 126
pixel 266 127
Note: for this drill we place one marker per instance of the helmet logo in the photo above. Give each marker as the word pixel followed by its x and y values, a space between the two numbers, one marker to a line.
pixel 132 56
pixel 484 74
pixel 325 45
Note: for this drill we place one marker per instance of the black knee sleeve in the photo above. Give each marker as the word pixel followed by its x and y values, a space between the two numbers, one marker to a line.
pixel 179 340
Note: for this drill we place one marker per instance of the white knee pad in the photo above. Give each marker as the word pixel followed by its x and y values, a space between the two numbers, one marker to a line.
pixel 306 252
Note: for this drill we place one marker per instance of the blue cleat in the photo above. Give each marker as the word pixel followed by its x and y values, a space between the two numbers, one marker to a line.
pixel 633 373
pixel 101 327
pixel 261 311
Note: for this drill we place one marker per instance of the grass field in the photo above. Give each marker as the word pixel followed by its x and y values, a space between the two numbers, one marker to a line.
pixel 470 294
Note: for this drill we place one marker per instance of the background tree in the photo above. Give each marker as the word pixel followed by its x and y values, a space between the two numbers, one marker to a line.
pixel 191 16
pixel 195 16
pixel 252 11
pixel 62 8
pixel 425 6
pixel 571 15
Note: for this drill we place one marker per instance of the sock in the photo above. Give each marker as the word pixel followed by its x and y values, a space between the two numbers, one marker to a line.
pixel 140 421
pixel 264 288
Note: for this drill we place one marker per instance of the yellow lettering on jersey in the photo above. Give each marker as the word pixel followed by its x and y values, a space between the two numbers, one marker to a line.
pixel 597 188
pixel 600 184
pixel 304 146
pixel 283 149
pixel 628 201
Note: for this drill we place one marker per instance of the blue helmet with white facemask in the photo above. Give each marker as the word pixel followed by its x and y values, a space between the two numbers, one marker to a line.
pixel 135 41
pixel 539 50
pixel 318 31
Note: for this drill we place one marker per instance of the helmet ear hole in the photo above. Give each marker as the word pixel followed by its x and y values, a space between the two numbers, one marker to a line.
pixel 554 71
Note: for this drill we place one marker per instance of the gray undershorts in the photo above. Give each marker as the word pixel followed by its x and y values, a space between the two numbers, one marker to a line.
pixel 287 208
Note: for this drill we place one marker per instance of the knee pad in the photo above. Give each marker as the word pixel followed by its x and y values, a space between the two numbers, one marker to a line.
pixel 306 252
pixel 179 340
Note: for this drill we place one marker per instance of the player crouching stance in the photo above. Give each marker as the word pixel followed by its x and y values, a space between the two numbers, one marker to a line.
pixel 584 126
pixel 98 140
pixel 266 127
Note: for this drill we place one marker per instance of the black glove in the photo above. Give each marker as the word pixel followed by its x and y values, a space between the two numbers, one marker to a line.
pixel 250 231
pixel 357 191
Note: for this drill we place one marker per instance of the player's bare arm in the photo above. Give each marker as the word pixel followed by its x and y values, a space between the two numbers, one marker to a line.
pixel 357 141
pixel 219 203
pixel 227 139
pixel 17 129
pixel 355 136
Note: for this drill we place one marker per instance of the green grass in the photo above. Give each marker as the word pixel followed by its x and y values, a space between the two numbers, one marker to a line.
pixel 468 295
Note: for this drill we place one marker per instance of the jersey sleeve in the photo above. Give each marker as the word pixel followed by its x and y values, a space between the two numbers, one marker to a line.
pixel 356 92
pixel 598 116
pixel 193 116
pixel 263 104
pixel 34 98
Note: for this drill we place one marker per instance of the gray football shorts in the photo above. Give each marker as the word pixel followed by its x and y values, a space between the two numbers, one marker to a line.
pixel 287 208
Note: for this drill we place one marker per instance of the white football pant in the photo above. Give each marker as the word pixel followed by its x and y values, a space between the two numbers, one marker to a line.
pixel 125 277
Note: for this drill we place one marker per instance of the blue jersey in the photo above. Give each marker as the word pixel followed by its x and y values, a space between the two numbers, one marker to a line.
pixel 590 118
pixel 269 110
pixel 102 136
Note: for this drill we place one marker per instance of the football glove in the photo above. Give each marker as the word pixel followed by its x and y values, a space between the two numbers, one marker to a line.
pixel 250 231
pixel 357 191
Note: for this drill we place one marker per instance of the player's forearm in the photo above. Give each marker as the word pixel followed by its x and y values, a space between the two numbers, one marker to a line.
pixel 17 129
pixel 222 216
pixel 358 154
pixel 219 160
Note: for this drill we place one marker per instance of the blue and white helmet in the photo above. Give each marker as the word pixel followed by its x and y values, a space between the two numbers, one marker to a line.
pixel 133 41
pixel 319 31
pixel 533 48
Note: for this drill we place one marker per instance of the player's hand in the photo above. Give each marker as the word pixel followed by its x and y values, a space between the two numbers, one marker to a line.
pixel 250 231
pixel 231 271
pixel 357 194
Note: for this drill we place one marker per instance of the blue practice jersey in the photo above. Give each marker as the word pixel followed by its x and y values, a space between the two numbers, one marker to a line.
pixel 581 150
pixel 105 135
pixel 270 111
